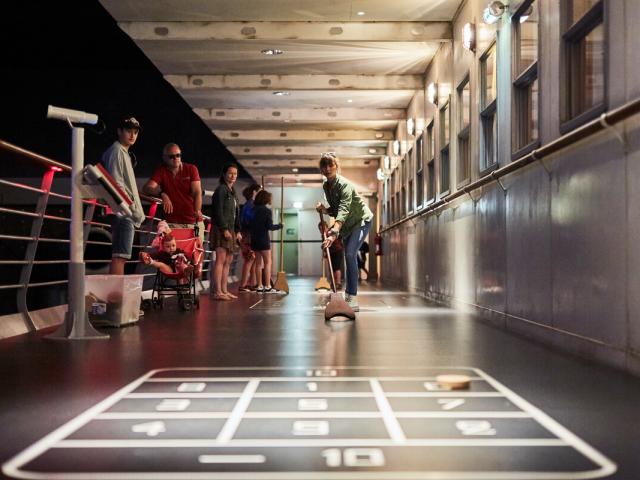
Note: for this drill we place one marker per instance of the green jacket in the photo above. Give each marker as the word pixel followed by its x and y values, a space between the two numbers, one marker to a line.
pixel 345 205
pixel 225 211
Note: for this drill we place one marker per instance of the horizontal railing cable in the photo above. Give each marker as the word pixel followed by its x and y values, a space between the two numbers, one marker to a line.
pixel 52 167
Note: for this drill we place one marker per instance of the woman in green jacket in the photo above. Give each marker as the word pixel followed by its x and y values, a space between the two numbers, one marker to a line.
pixel 352 220
pixel 225 231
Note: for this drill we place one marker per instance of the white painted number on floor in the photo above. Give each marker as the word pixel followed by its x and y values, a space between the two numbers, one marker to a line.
pixel 173 405
pixel 192 387
pixel 311 427
pixel 475 427
pixel 450 403
pixel 316 404
pixel 152 429
pixel 435 387
pixel 354 457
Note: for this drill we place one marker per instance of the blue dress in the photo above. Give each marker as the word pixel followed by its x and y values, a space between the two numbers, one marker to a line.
pixel 261 225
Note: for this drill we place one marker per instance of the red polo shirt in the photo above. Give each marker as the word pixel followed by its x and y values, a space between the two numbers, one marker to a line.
pixel 178 188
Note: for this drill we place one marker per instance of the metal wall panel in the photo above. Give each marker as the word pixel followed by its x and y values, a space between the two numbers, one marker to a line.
pixel 528 260
pixel 491 249
pixel 588 241
pixel 445 255
pixel 431 272
pixel 633 241
pixel 464 250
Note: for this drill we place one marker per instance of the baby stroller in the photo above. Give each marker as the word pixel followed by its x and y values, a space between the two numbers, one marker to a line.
pixel 181 284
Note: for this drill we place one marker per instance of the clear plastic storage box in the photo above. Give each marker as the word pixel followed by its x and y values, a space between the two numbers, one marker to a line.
pixel 113 300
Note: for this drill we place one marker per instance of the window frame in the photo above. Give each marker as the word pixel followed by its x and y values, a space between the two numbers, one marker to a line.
pixel 573 35
pixel 419 183
pixel 522 82
pixel 463 164
pixel 431 186
pixel 403 186
pixel 488 111
pixel 445 148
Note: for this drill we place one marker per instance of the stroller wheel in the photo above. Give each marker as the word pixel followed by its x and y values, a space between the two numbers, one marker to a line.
pixel 185 303
pixel 159 302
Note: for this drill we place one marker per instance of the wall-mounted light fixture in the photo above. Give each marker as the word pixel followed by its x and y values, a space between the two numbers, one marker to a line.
pixel 380 175
pixel 419 126
pixel 469 37
pixel 493 12
pixel 396 147
pixel 432 93
pixel 386 163
pixel 410 126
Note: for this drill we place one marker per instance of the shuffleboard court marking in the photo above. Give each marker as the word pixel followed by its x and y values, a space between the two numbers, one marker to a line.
pixel 308 414
pixel 232 459
pixel 390 420
pixel 255 304
pixel 478 432
pixel 238 411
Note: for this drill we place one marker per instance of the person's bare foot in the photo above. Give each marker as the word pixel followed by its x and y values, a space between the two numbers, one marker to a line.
pixel 221 297
pixel 230 295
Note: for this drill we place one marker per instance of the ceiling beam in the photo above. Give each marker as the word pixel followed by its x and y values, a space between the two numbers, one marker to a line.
pixel 301 114
pixel 280 151
pixel 318 31
pixel 304 135
pixel 296 82
pixel 305 163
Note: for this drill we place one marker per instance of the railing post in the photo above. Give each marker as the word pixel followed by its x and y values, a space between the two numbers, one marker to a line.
pixel 32 247
pixel 76 324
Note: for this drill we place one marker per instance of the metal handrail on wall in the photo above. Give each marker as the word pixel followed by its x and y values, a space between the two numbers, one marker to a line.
pixel 51 167
pixel 603 122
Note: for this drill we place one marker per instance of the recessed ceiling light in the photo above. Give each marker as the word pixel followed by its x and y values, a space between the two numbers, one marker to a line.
pixel 280 93
pixel 350 101
pixel 294 170
pixel 271 51
pixel 287 121
pixel 360 13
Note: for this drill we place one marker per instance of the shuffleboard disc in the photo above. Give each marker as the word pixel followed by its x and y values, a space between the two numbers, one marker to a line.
pixel 454 382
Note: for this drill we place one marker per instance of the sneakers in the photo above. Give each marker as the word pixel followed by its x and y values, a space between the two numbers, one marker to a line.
pixel 352 301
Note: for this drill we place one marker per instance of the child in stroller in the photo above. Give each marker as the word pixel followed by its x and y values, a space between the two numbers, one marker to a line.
pixel 178 268
pixel 170 259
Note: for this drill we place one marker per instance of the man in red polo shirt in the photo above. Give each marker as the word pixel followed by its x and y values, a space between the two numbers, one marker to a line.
pixel 178 184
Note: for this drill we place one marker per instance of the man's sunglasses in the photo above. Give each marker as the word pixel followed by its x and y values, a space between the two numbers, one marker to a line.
pixel 174 155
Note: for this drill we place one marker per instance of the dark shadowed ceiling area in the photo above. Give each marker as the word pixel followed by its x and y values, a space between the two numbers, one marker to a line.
pixel 82 60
